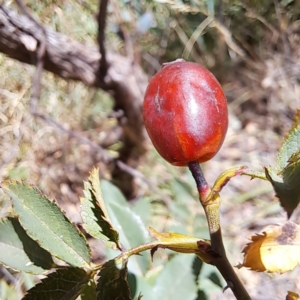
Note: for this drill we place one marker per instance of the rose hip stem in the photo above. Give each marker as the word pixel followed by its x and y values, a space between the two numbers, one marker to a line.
pixel 213 218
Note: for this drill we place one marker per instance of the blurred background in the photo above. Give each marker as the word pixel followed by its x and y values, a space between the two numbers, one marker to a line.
pixel 252 47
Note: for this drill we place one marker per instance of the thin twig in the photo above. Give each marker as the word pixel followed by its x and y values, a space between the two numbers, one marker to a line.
pixel 36 87
pixel 195 35
pixel 101 18
pixel 9 278
pixel 104 155
pixel 284 39
pixel 184 40
pixel 228 38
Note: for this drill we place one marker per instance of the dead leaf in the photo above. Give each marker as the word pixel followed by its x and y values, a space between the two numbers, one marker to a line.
pixel 292 296
pixel 275 250
pixel 183 244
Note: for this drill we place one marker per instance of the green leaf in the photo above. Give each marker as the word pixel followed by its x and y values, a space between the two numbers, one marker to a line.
pixel 112 194
pixel 176 280
pixel 182 195
pixel 290 146
pixel 224 178
pixel 112 283
pixel 227 175
pixel 130 226
pixel 208 286
pixel 143 209
pixel 63 284
pixel 139 286
pixel 89 291
pixel 285 176
pixel 287 186
pixel 19 252
pixel 94 213
pixel 183 244
pixel 45 223
pixel 210 278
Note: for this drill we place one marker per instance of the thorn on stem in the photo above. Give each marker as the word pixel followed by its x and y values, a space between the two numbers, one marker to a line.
pixel 228 286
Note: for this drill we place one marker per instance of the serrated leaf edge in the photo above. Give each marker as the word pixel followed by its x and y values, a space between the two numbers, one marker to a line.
pixel 87 264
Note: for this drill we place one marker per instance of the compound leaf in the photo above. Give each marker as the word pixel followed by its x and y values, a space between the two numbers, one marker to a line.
pixel 112 282
pixel 94 214
pixel 19 252
pixel 45 223
pixel 275 250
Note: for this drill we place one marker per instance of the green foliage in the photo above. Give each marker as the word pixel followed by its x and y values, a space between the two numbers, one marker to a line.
pixel 89 291
pixel 289 149
pixel 285 176
pixel 176 273
pixel 112 283
pixel 23 248
pixel 182 195
pixel 45 223
pixel 131 228
pixel 94 213
pixel 63 284
pixel 19 251
pixel 41 230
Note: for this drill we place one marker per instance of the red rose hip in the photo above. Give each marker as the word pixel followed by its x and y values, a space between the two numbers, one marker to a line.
pixel 185 113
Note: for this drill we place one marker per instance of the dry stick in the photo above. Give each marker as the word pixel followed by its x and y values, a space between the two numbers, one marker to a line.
pixel 101 18
pixel 213 218
pixel 36 88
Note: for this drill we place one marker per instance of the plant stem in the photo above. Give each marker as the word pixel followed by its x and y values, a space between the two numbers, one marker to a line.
pixel 134 251
pixel 211 208
pixel 137 250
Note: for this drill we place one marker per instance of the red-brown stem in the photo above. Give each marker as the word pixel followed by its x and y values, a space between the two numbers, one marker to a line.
pixel 213 219
pixel 202 186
